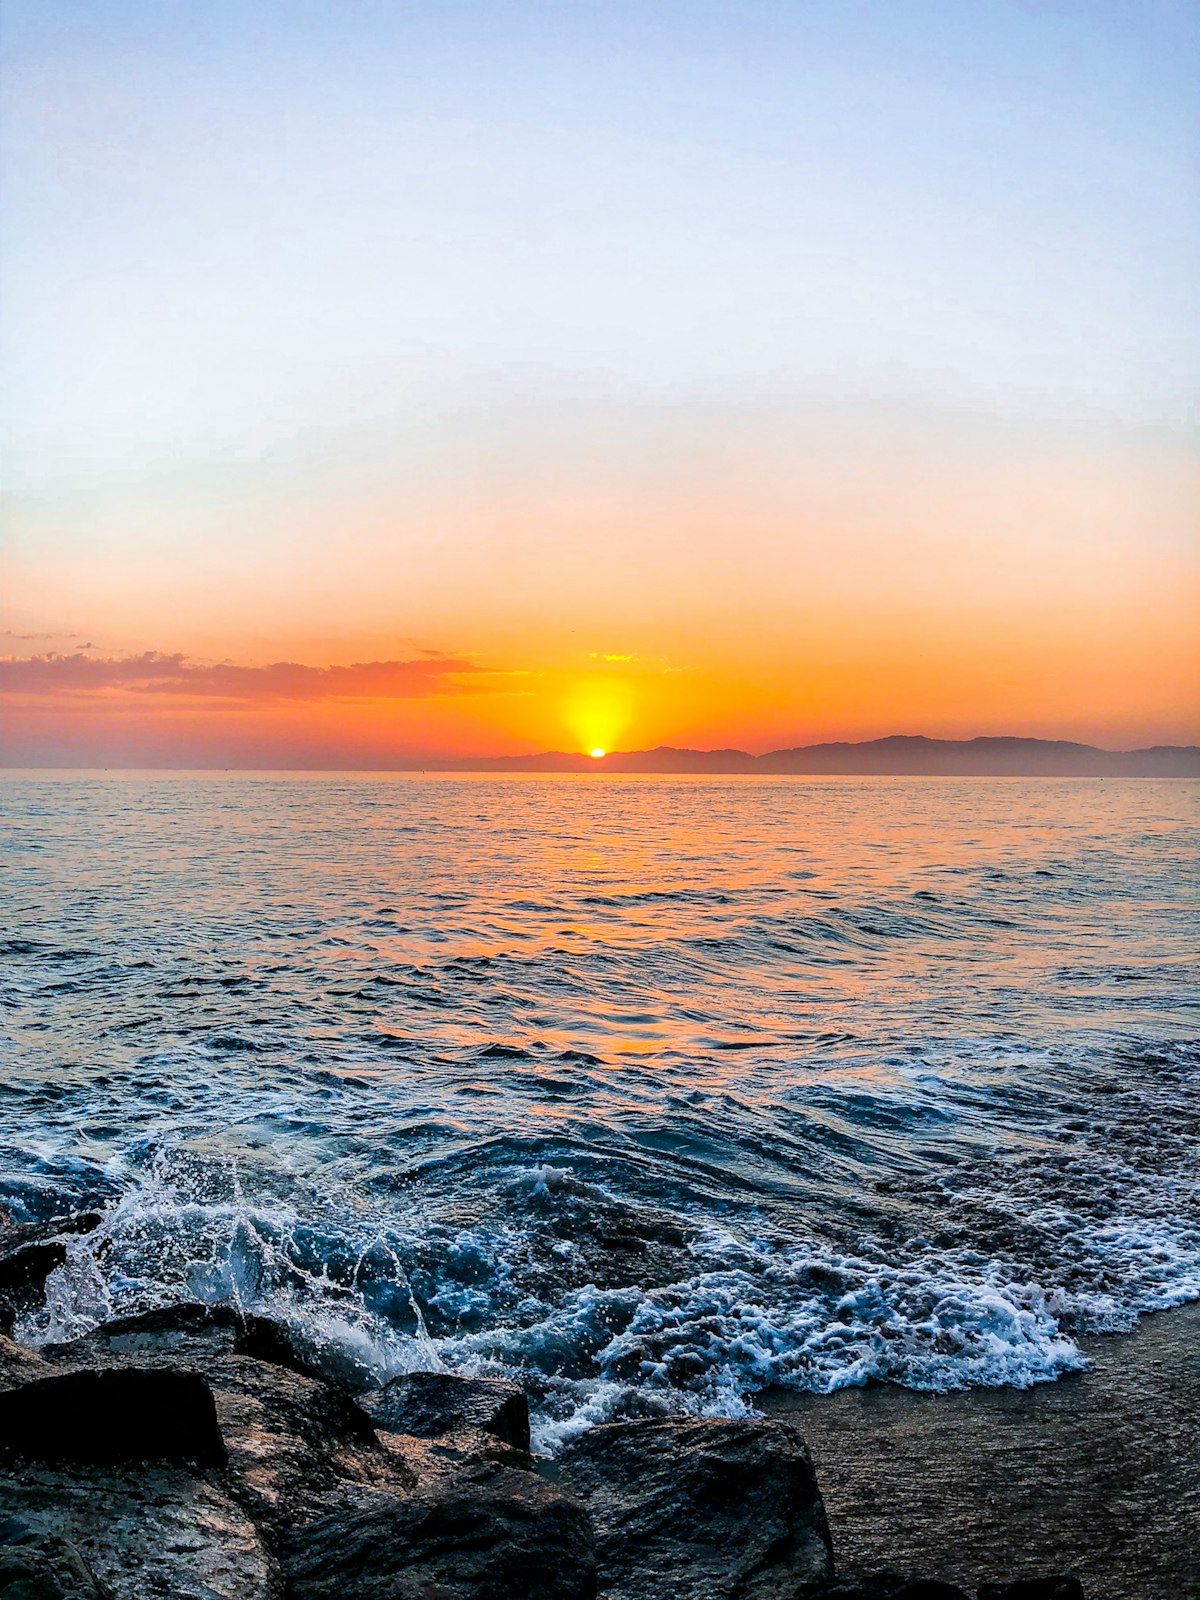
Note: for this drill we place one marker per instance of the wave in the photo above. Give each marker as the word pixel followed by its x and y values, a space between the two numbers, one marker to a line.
pixel 601 1307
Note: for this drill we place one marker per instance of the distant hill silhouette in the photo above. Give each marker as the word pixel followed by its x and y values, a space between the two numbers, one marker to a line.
pixel 899 755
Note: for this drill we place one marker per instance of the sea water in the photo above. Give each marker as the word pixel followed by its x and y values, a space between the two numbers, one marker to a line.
pixel 648 1093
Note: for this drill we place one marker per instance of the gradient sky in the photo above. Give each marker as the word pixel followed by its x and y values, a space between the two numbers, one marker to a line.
pixel 425 378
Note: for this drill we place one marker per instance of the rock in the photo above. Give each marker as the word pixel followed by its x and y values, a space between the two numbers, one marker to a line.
pixel 885 1586
pixel 291 1437
pixel 29 1253
pixel 17 1362
pixel 483 1532
pixel 190 1329
pixel 1052 1588
pixel 127 1414
pixel 39 1566
pixel 426 1404
pixel 141 1532
pixel 929 1589
pixel 700 1510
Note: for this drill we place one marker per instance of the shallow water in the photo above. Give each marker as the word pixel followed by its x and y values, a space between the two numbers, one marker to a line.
pixel 651 1092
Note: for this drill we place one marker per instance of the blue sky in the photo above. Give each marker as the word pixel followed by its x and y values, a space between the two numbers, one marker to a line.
pixel 347 216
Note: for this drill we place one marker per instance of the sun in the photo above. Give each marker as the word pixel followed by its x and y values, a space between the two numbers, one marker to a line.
pixel 596 711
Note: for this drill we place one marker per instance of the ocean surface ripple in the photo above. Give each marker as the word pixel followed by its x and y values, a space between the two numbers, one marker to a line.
pixel 650 1093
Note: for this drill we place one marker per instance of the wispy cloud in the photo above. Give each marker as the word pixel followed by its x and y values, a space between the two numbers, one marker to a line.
pixel 63 638
pixel 155 673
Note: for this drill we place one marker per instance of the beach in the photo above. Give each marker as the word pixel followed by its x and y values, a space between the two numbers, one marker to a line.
pixel 1097 1474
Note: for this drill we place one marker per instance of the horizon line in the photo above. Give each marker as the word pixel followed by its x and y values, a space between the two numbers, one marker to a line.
pixel 890 755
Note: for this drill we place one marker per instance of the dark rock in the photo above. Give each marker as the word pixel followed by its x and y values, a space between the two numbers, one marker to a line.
pixel 885 1586
pixel 1052 1588
pixel 127 1414
pixel 426 1404
pixel 30 1251
pixel 701 1510
pixel 40 1566
pixel 291 1437
pixel 190 1329
pixel 484 1532
pixel 930 1589
pixel 17 1363
pixel 270 1341
pixel 288 1441
pixel 142 1532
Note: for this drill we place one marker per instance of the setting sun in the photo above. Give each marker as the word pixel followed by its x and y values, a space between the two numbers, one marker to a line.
pixel 597 753
pixel 597 708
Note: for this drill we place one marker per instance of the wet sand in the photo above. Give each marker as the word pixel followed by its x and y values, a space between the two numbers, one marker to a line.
pixel 1098 1474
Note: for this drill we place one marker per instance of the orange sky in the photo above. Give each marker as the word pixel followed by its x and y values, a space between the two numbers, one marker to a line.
pixel 830 378
pixel 753 585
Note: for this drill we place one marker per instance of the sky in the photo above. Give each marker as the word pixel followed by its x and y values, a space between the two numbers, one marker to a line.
pixel 382 381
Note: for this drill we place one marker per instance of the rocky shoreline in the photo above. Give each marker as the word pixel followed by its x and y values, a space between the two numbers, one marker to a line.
pixel 197 1452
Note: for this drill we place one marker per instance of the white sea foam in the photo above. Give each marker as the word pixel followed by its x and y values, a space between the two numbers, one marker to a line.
pixel 746 1314
pixel 802 1320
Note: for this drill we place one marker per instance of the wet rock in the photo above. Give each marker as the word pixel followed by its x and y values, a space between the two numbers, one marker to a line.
pixel 700 1510
pixel 885 1586
pixel 189 1330
pixel 484 1532
pixel 17 1363
pixel 1053 1588
pixel 139 1533
pixel 426 1404
pixel 613 1246
pixel 290 1437
pixel 930 1589
pixel 890 1586
pixel 29 1253
pixel 39 1566
pixel 127 1414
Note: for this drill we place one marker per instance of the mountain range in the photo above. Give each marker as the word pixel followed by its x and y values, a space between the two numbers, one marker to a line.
pixel 899 755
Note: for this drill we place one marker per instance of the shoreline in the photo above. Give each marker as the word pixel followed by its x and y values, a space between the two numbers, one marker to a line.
pixel 1097 1473
pixel 205 1446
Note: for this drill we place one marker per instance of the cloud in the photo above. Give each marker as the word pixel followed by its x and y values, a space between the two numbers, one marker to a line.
pixel 155 673
pixel 28 638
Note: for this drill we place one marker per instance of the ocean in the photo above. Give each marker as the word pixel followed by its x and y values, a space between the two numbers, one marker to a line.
pixel 650 1093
